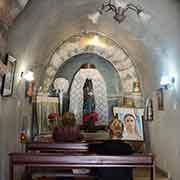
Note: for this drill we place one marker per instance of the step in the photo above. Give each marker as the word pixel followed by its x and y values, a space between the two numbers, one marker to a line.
pixel 138 174
pixel 144 174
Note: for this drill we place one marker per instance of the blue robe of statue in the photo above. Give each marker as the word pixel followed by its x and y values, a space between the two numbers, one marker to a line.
pixel 89 100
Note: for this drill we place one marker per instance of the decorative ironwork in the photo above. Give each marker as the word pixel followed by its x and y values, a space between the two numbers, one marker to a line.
pixel 120 10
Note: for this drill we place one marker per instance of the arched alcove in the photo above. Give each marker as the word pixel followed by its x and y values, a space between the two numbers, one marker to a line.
pixel 70 67
pixel 106 91
pixel 98 44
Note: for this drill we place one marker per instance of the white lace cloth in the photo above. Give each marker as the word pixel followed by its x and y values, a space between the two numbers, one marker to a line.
pixel 100 93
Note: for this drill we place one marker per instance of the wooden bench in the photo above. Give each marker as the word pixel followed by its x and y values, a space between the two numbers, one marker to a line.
pixel 72 147
pixel 56 160
pixel 67 148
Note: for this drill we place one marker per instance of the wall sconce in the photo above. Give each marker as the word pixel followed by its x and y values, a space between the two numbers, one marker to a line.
pixel 167 82
pixel 120 9
pixel 28 75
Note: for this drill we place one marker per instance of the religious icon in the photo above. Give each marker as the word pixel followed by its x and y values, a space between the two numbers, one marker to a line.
pixel 116 128
pixel 88 95
pixel 132 119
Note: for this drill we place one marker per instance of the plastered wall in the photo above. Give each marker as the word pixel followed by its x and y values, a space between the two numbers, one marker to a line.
pixel 154 47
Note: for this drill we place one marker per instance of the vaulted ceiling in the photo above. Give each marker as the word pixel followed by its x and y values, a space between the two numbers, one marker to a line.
pixel 9 9
pixel 154 46
pixel 160 36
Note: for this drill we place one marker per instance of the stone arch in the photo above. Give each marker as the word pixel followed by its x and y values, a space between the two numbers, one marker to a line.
pixel 106 48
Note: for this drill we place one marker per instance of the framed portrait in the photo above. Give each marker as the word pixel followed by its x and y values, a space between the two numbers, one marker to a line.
pixel 8 78
pixel 132 119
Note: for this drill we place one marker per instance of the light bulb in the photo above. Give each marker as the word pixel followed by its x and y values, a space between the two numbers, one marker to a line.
pixel 94 17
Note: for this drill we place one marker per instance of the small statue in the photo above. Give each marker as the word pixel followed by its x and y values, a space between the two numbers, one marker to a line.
pixel 89 100
pixel 89 114
pixel 116 128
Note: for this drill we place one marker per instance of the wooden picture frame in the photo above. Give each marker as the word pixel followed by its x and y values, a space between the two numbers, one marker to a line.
pixel 8 78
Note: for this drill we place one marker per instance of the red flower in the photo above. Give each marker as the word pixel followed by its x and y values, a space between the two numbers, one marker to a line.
pixel 92 116
pixel 53 116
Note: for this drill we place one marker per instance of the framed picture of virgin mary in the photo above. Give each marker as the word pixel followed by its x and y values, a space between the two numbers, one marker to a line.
pixel 8 78
pixel 132 119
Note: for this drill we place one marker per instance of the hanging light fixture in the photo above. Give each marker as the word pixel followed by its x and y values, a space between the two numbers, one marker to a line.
pixel 120 9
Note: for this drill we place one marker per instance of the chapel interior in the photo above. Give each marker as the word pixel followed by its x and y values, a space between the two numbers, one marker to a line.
pixel 89 61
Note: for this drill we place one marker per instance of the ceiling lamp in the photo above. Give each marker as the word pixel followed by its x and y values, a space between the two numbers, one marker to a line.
pixel 120 9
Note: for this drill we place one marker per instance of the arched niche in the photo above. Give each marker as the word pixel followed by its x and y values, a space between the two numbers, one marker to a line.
pixel 99 44
pixel 104 88
pixel 71 66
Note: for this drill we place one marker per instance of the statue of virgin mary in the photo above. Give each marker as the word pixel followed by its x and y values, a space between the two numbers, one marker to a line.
pixel 88 97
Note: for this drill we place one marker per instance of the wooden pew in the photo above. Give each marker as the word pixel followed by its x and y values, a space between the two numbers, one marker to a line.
pixel 71 147
pixel 56 160
pixel 66 147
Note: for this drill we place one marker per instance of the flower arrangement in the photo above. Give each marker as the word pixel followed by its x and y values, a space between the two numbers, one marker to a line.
pixel 89 121
pixel 52 119
pixel 53 116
